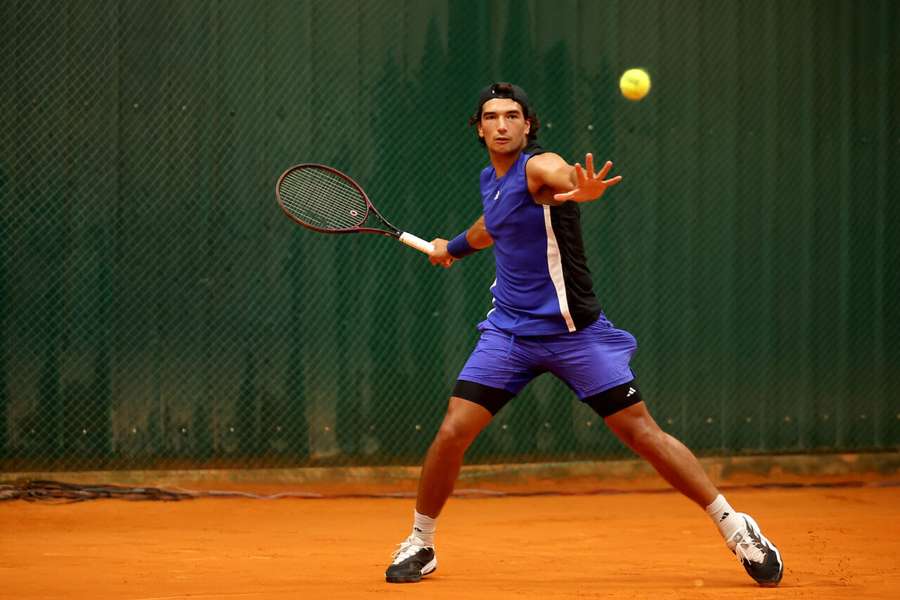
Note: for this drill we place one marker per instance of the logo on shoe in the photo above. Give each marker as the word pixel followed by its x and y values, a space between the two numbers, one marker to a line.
pixel 631 391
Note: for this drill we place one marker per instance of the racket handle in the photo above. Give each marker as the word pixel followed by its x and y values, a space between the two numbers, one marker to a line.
pixel 417 243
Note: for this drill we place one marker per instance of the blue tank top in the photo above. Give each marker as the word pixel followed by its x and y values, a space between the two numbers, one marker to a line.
pixel 543 285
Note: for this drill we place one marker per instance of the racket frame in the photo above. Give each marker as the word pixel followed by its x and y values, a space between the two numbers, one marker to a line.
pixel 407 238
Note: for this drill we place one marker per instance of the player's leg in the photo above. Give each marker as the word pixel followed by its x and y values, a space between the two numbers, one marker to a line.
pixel 494 373
pixel 416 558
pixel 462 423
pixel 677 465
pixel 595 363
pixel 672 460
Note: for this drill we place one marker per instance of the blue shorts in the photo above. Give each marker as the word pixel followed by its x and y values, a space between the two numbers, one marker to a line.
pixel 594 362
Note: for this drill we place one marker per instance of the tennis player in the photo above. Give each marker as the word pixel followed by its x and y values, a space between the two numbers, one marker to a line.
pixel 546 318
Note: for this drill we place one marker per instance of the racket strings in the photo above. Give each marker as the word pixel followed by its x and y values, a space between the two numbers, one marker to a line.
pixel 322 199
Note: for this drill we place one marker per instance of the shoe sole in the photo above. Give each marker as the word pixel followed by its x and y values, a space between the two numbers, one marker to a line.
pixel 428 569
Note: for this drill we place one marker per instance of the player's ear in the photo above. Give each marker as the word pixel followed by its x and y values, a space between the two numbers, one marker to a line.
pixel 480 130
pixel 527 126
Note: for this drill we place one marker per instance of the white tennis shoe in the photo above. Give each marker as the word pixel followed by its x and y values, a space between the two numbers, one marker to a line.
pixel 760 558
pixel 413 560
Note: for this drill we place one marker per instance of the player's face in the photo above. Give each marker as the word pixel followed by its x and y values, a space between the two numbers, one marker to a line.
pixel 503 126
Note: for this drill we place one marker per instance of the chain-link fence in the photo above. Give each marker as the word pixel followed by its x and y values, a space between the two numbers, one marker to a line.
pixel 159 311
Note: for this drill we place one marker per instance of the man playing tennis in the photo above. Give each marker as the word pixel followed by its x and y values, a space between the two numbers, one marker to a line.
pixel 546 318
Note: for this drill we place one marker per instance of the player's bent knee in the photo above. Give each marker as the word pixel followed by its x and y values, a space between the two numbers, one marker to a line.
pixel 460 427
pixel 635 427
pixel 456 434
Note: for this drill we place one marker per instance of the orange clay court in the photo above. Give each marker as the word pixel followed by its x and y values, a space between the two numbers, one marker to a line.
pixel 837 542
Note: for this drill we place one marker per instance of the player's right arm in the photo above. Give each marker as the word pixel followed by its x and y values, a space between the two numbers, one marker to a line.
pixel 476 237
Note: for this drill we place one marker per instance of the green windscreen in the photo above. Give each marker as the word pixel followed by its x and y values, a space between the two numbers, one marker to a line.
pixel 157 310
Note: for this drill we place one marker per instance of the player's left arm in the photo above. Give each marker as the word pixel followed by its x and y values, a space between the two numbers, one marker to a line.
pixel 551 180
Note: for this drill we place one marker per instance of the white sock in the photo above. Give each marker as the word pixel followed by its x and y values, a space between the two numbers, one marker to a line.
pixel 423 528
pixel 725 517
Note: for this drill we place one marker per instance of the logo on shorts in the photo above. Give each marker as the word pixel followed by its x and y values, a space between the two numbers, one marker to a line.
pixel 631 391
pixel 497 195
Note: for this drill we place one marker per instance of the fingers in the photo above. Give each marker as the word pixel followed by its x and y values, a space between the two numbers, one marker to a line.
pixel 439 255
pixel 579 174
pixel 589 167
pixel 589 186
pixel 443 261
pixel 605 170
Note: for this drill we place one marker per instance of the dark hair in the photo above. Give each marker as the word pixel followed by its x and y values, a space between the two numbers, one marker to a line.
pixel 503 89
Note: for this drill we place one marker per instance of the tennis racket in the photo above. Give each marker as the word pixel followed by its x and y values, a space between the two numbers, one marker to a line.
pixel 324 199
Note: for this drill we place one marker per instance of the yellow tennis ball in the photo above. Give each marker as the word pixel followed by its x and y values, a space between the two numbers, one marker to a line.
pixel 635 84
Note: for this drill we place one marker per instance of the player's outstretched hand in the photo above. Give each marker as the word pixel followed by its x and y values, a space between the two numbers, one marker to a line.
pixel 440 256
pixel 589 186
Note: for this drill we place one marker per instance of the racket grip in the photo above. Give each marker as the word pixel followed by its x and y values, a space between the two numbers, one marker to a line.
pixel 417 243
